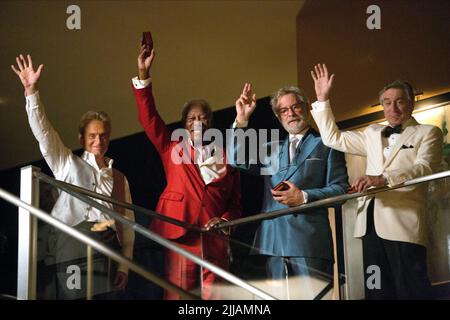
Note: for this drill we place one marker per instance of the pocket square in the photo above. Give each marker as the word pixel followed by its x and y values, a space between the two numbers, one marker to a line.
pixel 407 147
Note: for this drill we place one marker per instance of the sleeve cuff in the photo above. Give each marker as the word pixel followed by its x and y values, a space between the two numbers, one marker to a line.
pixel 33 100
pixel 305 197
pixel 320 105
pixel 141 84
pixel 236 124
pixel 393 179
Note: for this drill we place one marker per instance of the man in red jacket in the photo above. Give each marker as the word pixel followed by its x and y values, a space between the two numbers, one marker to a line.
pixel 201 188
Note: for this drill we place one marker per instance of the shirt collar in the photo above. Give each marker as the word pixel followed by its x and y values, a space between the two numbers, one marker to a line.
pixel 299 135
pixel 90 158
pixel 411 121
pixel 210 146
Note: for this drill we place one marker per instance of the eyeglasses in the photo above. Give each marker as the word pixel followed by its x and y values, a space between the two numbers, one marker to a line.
pixel 296 107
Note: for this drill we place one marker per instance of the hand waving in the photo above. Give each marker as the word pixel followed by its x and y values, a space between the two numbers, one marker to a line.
pixel 245 104
pixel 144 63
pixel 26 73
pixel 322 82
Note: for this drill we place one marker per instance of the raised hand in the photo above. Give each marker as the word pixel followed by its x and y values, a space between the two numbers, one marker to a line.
pixel 322 82
pixel 144 63
pixel 245 104
pixel 26 73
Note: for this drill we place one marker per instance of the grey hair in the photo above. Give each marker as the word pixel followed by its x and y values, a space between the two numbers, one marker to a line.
pixel 401 85
pixel 299 93
pixel 197 102
pixel 90 116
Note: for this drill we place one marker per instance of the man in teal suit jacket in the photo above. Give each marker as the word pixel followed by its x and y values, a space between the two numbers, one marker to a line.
pixel 298 244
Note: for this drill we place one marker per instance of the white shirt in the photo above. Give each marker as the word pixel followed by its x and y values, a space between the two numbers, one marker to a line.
pixel 210 161
pixel 298 137
pixel 59 158
pixel 388 143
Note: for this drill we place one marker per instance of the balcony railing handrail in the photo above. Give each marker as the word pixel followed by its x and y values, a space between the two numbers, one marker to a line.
pixel 40 214
pixel 328 202
pixel 125 205
pixel 256 217
pixel 158 239
pixel 143 210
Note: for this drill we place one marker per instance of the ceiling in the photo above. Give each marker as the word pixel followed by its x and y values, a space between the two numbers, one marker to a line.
pixel 205 49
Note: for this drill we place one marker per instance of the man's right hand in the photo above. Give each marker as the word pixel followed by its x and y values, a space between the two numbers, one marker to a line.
pixel 245 104
pixel 26 73
pixel 322 82
pixel 144 63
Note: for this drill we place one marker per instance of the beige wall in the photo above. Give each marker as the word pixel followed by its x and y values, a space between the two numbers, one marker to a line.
pixel 412 45
pixel 205 49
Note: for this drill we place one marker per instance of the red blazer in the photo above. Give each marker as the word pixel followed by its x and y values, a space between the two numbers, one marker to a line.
pixel 186 197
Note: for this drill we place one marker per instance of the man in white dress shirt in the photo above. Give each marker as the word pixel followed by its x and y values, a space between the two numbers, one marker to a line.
pixel 391 224
pixel 93 171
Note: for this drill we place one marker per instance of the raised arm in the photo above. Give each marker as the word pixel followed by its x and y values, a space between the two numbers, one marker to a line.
pixel 346 141
pixel 151 122
pixel 245 104
pixel 56 154
pixel 237 146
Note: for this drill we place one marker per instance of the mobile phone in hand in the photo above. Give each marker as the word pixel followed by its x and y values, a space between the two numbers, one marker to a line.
pixel 281 186
pixel 147 41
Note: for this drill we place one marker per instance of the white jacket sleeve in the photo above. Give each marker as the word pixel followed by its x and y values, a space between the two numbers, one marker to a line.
pixel 344 141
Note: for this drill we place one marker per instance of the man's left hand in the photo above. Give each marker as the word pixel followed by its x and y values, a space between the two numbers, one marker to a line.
pixel 291 197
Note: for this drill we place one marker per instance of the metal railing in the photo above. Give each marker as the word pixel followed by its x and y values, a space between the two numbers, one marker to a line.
pixel 263 216
pixel 329 202
pixel 151 235
pixel 84 195
pixel 93 243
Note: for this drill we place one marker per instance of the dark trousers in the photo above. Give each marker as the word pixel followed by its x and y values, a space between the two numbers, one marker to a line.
pixel 402 265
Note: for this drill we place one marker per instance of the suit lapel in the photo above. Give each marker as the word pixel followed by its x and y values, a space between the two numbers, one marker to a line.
pixel 284 154
pixel 188 160
pixel 305 148
pixel 377 152
pixel 407 132
pixel 302 153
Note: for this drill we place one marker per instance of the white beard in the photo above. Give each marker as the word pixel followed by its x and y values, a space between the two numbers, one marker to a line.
pixel 299 126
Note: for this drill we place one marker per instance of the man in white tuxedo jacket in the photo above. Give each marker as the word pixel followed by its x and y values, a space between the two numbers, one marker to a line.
pixel 391 224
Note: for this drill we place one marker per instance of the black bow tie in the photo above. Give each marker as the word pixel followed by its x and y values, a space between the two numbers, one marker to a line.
pixel 389 130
